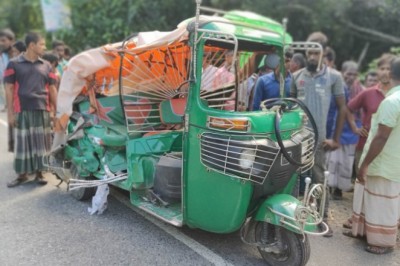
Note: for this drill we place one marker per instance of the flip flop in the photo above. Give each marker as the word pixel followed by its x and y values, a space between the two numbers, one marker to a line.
pixel 378 250
pixel 17 181
pixel 350 234
pixel 348 224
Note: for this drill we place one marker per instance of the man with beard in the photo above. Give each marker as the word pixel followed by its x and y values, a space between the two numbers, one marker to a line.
pixel 31 95
pixel 6 40
pixel 314 85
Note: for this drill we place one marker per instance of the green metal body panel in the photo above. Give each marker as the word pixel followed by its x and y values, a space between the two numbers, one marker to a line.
pixel 213 201
pixel 108 137
pixel 143 154
pixel 282 203
pixel 270 32
pixel 253 19
pixel 172 214
pixel 81 154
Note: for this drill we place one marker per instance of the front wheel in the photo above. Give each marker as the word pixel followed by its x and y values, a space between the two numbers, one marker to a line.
pixel 279 246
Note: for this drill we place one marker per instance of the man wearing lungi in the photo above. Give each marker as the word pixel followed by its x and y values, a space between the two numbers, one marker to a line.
pixel 31 95
pixel 379 174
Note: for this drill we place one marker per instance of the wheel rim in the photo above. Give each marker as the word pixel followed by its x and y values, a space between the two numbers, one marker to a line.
pixel 80 192
pixel 284 252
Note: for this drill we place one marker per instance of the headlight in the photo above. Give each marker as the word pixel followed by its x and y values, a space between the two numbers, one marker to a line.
pixel 247 158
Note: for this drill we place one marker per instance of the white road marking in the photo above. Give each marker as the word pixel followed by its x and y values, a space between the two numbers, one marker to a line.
pixel 200 249
pixel 4 123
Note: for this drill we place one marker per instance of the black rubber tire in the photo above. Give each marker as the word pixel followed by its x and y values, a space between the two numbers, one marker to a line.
pixel 297 251
pixel 81 194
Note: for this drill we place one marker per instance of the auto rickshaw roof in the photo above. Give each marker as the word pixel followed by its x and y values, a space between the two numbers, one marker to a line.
pixel 246 26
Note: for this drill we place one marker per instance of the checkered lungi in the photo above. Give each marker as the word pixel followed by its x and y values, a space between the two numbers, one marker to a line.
pixel 32 140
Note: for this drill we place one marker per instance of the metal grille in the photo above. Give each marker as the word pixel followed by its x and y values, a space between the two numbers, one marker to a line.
pixel 307 139
pixel 149 78
pixel 244 157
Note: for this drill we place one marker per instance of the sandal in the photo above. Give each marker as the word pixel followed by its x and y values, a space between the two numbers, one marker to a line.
pixel 350 234
pixel 18 181
pixel 378 250
pixel 40 179
pixel 348 224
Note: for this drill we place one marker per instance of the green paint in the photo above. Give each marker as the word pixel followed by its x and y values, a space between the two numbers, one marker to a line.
pixel 282 203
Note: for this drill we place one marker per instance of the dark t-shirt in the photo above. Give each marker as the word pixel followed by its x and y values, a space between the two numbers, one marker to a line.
pixel 31 82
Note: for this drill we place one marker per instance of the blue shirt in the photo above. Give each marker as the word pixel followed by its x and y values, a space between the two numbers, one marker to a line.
pixel 347 136
pixel 267 87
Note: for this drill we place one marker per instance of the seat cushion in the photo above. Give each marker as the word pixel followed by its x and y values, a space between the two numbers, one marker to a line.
pixel 172 111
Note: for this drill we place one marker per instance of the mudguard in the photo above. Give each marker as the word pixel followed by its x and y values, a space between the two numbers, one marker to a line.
pixel 280 210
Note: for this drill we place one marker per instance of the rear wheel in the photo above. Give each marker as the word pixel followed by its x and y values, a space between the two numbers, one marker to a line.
pixel 81 194
pixel 281 246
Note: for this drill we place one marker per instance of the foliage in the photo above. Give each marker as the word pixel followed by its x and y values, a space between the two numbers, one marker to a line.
pixel 349 24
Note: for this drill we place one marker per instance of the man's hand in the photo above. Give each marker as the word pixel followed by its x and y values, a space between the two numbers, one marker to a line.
pixel 330 144
pixel 362 132
pixel 362 173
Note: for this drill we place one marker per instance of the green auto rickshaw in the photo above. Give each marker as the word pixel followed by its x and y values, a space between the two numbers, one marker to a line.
pixel 164 116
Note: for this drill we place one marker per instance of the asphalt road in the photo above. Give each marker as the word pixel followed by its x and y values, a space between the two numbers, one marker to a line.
pixel 43 225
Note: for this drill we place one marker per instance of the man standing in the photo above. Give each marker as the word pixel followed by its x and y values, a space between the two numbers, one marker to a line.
pixel 208 73
pixel 380 174
pixel 6 41
pixel 368 102
pixel 31 95
pixel 371 79
pixel 340 161
pixel 59 49
pixel 297 62
pixel 268 86
pixel 315 87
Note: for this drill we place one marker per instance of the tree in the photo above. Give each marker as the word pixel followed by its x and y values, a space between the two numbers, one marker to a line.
pixel 353 26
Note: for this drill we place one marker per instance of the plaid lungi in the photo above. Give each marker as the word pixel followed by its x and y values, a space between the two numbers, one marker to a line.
pixel 32 140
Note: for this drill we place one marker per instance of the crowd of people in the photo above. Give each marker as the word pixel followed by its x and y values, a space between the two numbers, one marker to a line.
pixel 358 125
pixel 358 122
pixel 29 79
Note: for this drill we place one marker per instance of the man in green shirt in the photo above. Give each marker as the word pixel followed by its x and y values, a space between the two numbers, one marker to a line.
pixel 379 173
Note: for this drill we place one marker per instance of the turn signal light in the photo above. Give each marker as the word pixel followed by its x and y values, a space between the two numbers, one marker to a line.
pixel 236 124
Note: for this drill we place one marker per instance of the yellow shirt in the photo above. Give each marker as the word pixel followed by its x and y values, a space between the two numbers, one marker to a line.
pixel 387 163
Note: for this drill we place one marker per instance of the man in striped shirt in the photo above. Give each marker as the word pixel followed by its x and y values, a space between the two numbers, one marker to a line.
pixel 31 96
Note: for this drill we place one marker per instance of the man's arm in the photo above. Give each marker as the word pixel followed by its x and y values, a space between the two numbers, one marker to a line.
pixel 352 122
pixel 356 103
pixel 258 95
pixel 374 150
pixel 341 114
pixel 9 87
pixel 334 143
pixel 53 97
pixel 293 88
